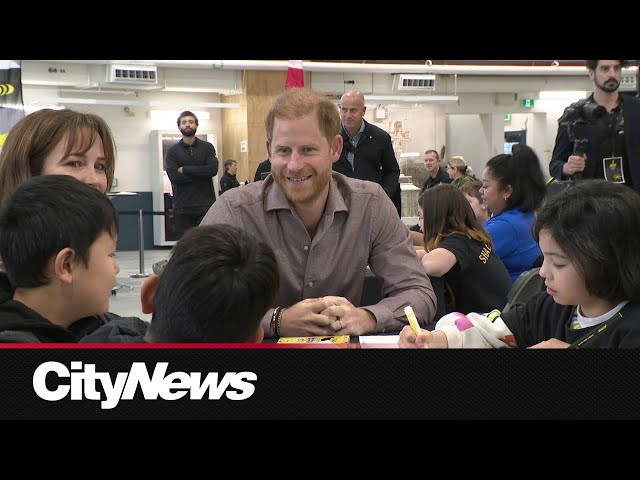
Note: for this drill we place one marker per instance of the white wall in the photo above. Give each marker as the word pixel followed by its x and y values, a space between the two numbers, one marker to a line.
pixel 467 135
pixel 133 165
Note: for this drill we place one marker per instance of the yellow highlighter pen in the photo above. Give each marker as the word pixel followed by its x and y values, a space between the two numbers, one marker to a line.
pixel 413 321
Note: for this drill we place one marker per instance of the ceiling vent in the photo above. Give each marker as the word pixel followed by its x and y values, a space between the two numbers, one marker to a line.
pixel 414 82
pixel 136 74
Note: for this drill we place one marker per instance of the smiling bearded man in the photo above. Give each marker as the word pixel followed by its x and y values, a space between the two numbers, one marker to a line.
pixel 325 229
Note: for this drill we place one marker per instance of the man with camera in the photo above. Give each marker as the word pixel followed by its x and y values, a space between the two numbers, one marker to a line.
pixel 599 137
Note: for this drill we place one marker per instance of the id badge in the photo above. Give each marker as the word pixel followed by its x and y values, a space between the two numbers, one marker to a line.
pixel 612 169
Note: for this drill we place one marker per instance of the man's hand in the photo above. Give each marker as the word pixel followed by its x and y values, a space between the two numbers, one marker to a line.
pixel 305 318
pixel 575 164
pixel 347 318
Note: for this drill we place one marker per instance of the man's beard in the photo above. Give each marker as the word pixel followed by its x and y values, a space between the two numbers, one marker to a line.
pixel 188 131
pixel 608 86
pixel 295 195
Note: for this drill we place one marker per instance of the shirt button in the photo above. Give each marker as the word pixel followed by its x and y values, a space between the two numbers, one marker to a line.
pixel 306 247
pixel 311 284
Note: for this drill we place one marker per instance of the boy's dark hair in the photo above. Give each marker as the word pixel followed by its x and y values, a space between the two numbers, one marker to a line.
pixel 597 224
pixel 593 64
pixel 45 215
pixel 187 113
pixel 522 171
pixel 218 284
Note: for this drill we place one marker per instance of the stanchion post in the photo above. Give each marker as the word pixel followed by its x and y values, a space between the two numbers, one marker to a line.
pixel 141 273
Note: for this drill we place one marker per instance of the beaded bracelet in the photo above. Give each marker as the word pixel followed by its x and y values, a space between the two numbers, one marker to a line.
pixel 279 320
pixel 272 324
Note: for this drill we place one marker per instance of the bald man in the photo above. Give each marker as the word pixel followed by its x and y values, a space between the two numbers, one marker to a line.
pixel 368 152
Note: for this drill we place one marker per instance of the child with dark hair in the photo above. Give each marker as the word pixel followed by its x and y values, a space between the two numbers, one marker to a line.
pixel 588 236
pixel 216 287
pixel 218 284
pixel 57 242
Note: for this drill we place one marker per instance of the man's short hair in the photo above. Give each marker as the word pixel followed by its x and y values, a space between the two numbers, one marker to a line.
pixel 187 113
pixel 217 285
pixel 228 163
pixel 593 64
pixel 434 152
pixel 45 215
pixel 299 102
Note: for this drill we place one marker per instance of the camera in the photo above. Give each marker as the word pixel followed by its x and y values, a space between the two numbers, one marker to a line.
pixel 582 111
pixel 580 146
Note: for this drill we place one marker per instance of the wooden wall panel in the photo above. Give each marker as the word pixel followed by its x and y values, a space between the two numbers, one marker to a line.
pixel 234 130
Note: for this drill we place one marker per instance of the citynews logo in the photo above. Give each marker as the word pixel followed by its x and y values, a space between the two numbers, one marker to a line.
pixel 83 380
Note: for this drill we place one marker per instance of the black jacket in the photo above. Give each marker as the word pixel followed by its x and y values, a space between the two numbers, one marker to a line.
pixel 374 159
pixel 541 318
pixel 119 330
pixel 564 147
pixel 263 167
pixel 20 324
pixel 441 177
pixel 227 182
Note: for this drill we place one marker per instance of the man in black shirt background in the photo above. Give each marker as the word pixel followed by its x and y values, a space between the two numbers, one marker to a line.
pixel 437 175
pixel 229 180
pixel 190 164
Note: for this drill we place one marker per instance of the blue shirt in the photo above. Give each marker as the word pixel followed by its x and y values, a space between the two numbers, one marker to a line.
pixel 355 140
pixel 513 240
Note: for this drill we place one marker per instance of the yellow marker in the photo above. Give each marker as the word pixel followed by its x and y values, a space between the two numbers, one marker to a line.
pixel 413 321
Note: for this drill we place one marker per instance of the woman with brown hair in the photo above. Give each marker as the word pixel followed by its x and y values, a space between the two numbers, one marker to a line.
pixel 63 142
pixel 459 249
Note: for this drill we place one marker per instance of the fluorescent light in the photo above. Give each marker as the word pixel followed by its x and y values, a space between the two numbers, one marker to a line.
pixel 562 95
pixel 410 154
pixel 132 103
pixel 412 98
pixel 172 115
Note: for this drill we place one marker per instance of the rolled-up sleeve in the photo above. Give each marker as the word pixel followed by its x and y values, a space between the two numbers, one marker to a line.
pixel 394 261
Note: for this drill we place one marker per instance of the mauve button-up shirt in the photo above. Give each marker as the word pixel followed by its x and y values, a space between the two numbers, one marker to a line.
pixel 360 227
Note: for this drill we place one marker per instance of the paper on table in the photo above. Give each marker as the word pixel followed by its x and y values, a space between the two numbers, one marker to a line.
pixel 379 341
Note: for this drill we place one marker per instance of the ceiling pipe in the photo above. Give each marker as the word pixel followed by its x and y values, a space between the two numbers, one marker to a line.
pixel 129 103
pixel 333 67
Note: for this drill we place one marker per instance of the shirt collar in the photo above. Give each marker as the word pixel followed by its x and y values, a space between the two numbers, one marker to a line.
pixel 186 145
pixel 362 125
pixel 275 199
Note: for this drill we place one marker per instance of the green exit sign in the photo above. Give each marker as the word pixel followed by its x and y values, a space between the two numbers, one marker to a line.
pixel 527 102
